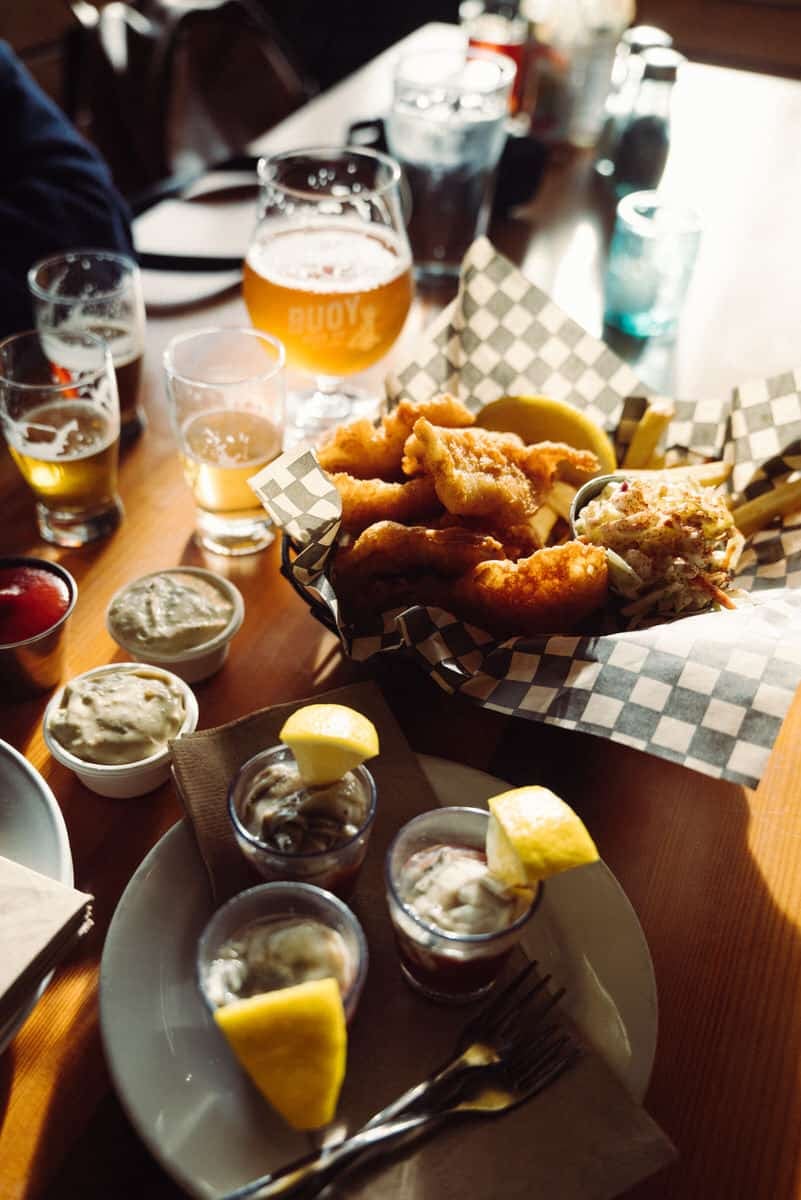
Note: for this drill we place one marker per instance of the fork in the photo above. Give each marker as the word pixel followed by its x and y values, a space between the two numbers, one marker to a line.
pixel 497 1066
pixel 484 1040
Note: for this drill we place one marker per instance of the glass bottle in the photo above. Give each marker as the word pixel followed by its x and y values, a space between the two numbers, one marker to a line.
pixel 644 143
pixel 627 71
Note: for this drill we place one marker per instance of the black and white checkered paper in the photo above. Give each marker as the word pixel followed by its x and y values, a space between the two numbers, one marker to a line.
pixel 709 691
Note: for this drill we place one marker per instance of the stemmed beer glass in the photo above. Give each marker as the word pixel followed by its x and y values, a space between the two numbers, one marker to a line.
pixel 328 272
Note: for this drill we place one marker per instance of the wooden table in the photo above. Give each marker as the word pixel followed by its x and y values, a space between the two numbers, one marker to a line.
pixel 713 870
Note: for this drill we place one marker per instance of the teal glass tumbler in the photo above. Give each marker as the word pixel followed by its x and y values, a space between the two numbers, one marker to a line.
pixel 651 261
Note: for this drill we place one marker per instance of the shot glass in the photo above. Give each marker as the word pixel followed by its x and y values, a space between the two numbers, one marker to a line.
pixel 334 868
pixel 651 260
pixel 100 292
pixel 453 966
pixel 61 418
pixel 446 128
pixel 226 395
pixel 309 915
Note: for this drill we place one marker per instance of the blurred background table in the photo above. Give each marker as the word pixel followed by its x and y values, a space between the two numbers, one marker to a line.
pixel 713 870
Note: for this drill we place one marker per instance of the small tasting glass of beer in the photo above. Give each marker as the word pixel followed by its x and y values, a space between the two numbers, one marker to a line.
pixel 328 270
pixel 225 389
pixel 100 292
pixel 60 416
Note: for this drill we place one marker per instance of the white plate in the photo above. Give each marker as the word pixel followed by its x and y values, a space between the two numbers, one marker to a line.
pixel 194 1108
pixel 32 832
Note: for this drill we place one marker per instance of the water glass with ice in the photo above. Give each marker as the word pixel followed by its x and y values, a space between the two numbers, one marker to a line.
pixel 447 130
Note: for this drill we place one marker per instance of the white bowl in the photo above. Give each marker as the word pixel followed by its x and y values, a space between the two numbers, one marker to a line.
pixel 198 662
pixel 124 780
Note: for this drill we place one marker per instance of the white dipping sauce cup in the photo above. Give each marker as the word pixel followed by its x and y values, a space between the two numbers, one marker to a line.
pixel 124 780
pixel 196 662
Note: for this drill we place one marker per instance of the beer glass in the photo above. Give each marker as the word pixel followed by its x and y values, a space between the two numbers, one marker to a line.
pixel 328 271
pixel 61 419
pixel 100 292
pixel 225 389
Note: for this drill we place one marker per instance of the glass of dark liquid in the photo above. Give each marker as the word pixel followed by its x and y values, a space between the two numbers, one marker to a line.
pixel 288 830
pixel 455 923
pixel 97 292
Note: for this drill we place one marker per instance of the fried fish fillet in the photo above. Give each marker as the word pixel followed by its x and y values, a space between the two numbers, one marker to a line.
pixel 367 451
pixel 366 501
pixel 551 591
pixel 388 548
pixel 480 472
pixel 391 565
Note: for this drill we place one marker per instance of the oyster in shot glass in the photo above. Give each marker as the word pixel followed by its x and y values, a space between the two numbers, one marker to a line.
pixel 303 810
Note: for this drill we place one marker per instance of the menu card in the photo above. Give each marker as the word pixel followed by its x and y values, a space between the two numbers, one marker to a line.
pixel 709 691
pixel 584 1137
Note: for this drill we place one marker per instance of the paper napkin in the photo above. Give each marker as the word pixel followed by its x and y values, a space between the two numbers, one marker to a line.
pixel 40 921
pixel 584 1138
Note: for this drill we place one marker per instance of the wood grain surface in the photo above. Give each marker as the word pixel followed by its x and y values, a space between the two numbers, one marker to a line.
pixel 712 870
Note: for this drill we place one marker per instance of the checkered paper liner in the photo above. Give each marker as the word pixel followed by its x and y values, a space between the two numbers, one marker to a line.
pixel 709 691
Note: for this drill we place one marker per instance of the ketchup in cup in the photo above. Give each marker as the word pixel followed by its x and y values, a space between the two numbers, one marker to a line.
pixel 36 597
pixel 32 600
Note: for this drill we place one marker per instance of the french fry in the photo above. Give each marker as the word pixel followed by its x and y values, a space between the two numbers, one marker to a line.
pixel 560 498
pixel 649 430
pixel 707 474
pixel 542 523
pixel 753 515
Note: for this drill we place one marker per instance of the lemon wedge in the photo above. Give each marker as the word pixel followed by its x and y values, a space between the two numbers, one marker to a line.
pixel 328 740
pixel 541 419
pixel 293 1044
pixel 533 834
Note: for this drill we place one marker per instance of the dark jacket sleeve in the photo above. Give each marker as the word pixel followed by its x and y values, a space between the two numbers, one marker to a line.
pixel 56 192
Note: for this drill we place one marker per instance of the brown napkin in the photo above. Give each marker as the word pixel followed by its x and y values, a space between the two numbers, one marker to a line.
pixel 583 1138
pixel 40 921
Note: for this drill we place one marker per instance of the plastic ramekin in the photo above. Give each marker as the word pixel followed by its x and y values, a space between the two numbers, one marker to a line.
pixel 198 662
pixel 124 780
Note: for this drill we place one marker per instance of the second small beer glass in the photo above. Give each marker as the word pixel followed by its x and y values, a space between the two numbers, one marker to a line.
pixel 225 389
pixel 328 270
pixel 61 419
pixel 100 292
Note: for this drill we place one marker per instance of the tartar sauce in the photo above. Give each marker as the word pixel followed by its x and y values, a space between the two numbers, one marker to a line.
pixel 277 953
pixel 168 613
pixel 118 716
pixel 451 888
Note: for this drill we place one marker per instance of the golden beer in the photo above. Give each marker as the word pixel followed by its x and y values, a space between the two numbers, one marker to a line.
pixel 220 451
pixel 336 295
pixel 67 453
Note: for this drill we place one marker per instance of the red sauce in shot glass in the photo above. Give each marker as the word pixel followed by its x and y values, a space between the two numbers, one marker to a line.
pixel 32 600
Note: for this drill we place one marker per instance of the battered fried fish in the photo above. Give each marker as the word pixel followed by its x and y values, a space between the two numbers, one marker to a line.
pixel 482 473
pixel 391 565
pixel 551 591
pixel 367 451
pixel 388 548
pixel 366 501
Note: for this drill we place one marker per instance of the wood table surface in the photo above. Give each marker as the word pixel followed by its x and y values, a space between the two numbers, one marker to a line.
pixel 713 870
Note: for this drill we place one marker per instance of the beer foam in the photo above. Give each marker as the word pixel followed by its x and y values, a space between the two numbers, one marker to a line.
pixel 86 431
pixel 330 259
